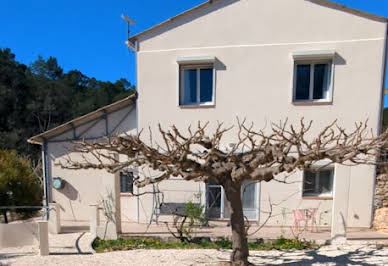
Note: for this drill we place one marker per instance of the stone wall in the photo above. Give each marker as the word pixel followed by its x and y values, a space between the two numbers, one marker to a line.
pixel 381 197
pixel 381 204
pixel 381 220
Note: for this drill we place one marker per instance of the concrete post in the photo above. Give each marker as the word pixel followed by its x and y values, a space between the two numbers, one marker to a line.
pixel 94 218
pixel 43 238
pixel 340 205
pixel 112 226
pixel 54 218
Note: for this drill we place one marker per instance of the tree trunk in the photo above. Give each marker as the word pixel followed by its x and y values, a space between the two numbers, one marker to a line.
pixel 5 216
pixel 240 252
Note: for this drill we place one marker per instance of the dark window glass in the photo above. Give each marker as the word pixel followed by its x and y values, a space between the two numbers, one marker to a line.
pixel 126 182
pixel 190 86
pixel 309 182
pixel 214 202
pixel 302 82
pixel 249 193
pixel 318 182
pixel 321 81
pixel 206 76
pixel 325 181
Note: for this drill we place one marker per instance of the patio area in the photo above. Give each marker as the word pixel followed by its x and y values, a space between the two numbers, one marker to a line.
pixel 72 246
pixel 218 229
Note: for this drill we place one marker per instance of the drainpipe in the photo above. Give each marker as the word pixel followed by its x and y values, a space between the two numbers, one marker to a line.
pixel 137 126
pixel 46 176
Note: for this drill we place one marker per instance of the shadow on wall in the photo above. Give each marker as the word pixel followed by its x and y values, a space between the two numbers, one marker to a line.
pixel 70 193
pixel 339 60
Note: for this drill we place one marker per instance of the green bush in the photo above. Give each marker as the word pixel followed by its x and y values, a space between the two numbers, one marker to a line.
pixel 204 243
pixel 186 223
pixel 18 184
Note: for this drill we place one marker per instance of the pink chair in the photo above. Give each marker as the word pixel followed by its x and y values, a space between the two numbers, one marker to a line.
pixel 312 215
pixel 299 216
pixel 305 215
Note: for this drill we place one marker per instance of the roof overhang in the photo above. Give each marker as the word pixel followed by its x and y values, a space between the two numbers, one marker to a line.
pixel 40 138
pixel 350 10
pixel 133 38
pixel 325 3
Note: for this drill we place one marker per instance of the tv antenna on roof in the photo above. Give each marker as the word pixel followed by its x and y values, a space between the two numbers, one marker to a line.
pixel 129 23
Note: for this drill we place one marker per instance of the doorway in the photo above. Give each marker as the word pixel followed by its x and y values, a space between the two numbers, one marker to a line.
pixel 216 205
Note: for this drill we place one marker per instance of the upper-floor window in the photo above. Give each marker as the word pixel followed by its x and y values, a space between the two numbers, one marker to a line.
pixel 196 86
pixel 313 76
pixel 196 81
pixel 318 183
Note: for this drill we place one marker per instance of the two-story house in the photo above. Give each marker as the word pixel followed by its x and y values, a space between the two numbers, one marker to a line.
pixel 263 60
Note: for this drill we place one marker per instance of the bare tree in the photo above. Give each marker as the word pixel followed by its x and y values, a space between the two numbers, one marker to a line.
pixel 256 156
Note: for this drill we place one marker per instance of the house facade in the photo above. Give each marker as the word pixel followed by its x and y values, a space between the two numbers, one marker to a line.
pixel 266 61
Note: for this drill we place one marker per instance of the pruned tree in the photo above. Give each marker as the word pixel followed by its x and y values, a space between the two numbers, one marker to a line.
pixel 256 156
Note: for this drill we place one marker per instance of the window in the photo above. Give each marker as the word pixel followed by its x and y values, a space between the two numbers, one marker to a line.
pixel 196 84
pixel 318 183
pixel 126 182
pixel 312 81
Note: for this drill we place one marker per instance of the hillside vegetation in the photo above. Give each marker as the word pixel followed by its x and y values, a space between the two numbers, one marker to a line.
pixel 41 96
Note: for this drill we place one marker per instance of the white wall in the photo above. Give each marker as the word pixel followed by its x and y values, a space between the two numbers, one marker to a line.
pixel 18 234
pixel 85 187
pixel 253 42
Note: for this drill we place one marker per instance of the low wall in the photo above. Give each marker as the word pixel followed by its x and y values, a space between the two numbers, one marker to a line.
pixel 18 234
pixel 381 204
pixel 381 197
pixel 381 220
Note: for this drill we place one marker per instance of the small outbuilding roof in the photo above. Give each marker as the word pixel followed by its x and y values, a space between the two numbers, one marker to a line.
pixel 39 139
pixel 325 3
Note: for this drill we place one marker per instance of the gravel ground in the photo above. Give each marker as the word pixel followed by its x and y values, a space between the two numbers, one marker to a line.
pixel 74 249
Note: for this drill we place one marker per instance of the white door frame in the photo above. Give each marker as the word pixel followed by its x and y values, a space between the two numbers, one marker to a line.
pixel 223 206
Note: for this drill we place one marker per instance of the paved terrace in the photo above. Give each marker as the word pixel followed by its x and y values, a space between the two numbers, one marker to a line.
pixel 72 248
pixel 221 229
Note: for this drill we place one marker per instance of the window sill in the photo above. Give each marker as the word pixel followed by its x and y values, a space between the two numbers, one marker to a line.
pixel 312 102
pixel 317 198
pixel 193 106
pixel 126 195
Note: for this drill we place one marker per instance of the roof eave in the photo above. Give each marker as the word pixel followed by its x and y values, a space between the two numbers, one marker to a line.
pixel 39 139
pixel 350 10
pixel 326 3
pixel 135 37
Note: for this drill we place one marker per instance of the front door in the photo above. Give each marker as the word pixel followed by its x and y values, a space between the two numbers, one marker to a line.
pixel 216 206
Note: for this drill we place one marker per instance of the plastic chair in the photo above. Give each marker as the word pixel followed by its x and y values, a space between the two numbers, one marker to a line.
pixel 312 215
pixel 299 216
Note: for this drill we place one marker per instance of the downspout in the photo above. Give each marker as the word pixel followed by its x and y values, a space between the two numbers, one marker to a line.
pixel 137 124
pixel 380 124
pixel 46 176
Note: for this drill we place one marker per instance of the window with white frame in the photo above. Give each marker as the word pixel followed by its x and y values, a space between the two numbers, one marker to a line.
pixel 196 84
pixel 312 80
pixel 126 182
pixel 318 182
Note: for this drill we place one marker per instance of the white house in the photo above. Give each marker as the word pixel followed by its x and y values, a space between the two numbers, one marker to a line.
pixel 264 60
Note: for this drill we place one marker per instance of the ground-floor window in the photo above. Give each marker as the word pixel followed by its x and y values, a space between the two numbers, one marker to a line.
pixel 216 206
pixel 126 182
pixel 318 183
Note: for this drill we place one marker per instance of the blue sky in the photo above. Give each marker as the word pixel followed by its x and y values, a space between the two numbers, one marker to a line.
pixel 89 35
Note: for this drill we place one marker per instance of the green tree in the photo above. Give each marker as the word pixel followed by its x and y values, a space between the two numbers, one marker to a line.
pixel 42 96
pixel 19 186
